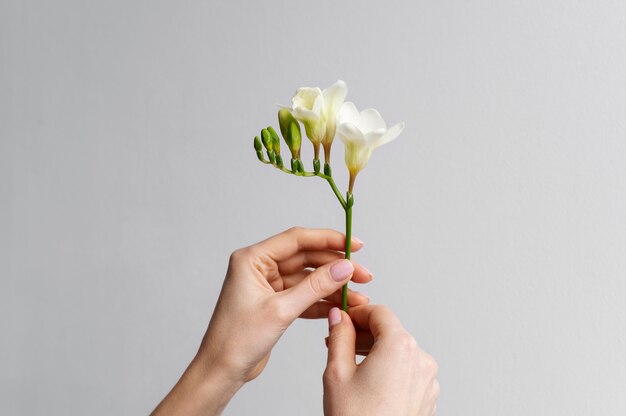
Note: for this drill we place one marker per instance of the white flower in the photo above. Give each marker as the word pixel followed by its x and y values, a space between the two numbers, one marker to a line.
pixel 317 110
pixel 362 133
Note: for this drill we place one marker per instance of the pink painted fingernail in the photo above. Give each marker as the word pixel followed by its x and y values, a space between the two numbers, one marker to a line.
pixel 334 317
pixel 358 240
pixel 341 271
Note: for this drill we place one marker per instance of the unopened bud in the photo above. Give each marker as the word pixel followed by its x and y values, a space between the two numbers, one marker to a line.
pixel 257 144
pixel 327 170
pixel 275 139
pixel 290 130
pixel 316 165
pixel 267 140
pixel 279 161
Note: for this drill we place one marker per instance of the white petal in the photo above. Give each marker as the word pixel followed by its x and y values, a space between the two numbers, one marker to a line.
pixel 348 113
pixel 373 137
pixel 391 134
pixel 370 119
pixel 305 97
pixel 304 115
pixel 334 96
pixel 349 133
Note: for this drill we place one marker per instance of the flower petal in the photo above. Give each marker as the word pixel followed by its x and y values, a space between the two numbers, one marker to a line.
pixel 305 97
pixel 334 96
pixel 304 115
pixel 373 137
pixel 392 133
pixel 348 113
pixel 370 119
pixel 349 133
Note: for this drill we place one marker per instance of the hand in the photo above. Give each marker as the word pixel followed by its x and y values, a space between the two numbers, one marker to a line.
pixel 395 378
pixel 267 286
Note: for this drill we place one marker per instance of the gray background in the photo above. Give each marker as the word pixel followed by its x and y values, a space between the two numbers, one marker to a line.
pixel 495 224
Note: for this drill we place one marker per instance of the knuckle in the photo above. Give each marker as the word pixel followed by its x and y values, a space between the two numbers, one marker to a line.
pixel 294 230
pixel 238 255
pixel 404 344
pixel 333 374
pixel 436 390
pixel 274 310
pixel 316 285
pixel 429 364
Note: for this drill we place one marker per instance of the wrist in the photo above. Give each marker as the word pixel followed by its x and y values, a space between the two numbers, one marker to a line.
pixel 203 389
pixel 214 383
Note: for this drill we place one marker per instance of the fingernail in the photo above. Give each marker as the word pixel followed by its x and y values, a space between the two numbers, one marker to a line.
pixel 334 317
pixel 358 240
pixel 366 270
pixel 341 270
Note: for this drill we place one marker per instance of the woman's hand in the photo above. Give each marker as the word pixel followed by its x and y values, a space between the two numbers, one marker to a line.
pixel 298 273
pixel 396 378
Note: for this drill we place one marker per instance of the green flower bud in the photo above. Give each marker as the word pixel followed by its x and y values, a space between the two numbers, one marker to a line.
pixel 327 170
pixel 316 165
pixel 294 165
pixel 300 166
pixel 259 155
pixel 272 156
pixel 279 161
pixel 267 140
pixel 290 129
pixel 257 144
pixel 275 139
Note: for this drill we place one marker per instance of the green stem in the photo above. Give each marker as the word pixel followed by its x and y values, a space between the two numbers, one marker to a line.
pixel 331 182
pixel 348 209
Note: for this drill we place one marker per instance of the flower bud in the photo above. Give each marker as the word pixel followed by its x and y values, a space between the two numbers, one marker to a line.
pixel 275 139
pixel 279 160
pixel 327 170
pixel 316 165
pixel 290 129
pixel 267 140
pixel 257 144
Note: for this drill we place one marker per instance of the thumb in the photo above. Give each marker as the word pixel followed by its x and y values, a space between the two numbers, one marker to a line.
pixel 322 282
pixel 341 346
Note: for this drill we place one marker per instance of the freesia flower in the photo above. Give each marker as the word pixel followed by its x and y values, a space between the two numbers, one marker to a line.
pixel 362 132
pixel 317 110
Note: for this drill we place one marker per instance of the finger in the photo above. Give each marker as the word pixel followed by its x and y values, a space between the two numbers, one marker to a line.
pixel 361 274
pixel 363 344
pixel 341 362
pixel 284 245
pixel 305 259
pixel 354 298
pixel 321 308
pixel 318 310
pixel 320 283
pixel 378 319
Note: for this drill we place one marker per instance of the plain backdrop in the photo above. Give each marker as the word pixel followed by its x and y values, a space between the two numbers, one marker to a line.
pixel 495 224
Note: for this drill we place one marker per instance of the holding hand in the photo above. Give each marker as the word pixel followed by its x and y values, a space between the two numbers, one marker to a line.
pixel 396 378
pixel 268 285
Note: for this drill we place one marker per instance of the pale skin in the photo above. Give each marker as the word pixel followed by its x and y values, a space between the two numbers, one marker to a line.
pixel 299 273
